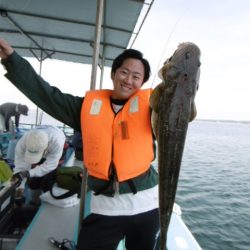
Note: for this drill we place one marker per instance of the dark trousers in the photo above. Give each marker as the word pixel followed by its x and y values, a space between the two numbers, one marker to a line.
pixel 99 232
pixel 44 183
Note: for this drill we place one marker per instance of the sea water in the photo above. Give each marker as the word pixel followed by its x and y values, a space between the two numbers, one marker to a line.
pixel 214 184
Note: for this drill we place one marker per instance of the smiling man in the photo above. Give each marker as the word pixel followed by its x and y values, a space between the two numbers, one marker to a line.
pixel 118 148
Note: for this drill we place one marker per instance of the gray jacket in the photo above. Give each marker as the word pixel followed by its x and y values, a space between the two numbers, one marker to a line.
pixel 10 109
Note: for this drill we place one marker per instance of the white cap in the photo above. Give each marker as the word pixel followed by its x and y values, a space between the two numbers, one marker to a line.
pixel 36 143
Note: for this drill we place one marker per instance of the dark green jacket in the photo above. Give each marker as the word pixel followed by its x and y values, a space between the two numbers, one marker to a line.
pixel 67 109
pixel 63 107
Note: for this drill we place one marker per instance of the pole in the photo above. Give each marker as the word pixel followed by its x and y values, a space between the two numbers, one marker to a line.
pixel 40 72
pixel 102 72
pixel 99 14
pixel 98 30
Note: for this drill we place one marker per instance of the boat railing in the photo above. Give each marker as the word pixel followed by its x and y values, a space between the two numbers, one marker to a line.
pixel 68 131
pixel 13 134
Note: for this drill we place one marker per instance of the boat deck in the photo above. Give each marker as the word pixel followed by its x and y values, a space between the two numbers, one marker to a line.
pixel 51 221
pixel 62 223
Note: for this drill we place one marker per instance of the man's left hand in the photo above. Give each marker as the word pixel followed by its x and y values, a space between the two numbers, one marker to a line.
pixel 24 174
pixel 16 180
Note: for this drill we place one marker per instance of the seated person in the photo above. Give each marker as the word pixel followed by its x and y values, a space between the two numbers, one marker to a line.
pixel 9 109
pixel 37 155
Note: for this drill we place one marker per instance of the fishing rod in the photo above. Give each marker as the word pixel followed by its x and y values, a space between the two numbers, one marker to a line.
pixel 166 44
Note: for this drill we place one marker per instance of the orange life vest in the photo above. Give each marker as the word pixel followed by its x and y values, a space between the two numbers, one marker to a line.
pixel 124 138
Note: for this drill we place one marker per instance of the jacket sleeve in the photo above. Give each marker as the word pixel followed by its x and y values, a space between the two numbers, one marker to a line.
pixel 53 156
pixel 63 107
pixel 17 117
pixel 20 164
pixel 7 117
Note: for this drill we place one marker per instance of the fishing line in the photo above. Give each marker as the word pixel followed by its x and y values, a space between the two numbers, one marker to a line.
pixel 166 44
pixel 25 5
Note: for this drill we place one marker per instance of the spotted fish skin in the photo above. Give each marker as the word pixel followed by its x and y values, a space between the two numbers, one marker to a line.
pixel 173 107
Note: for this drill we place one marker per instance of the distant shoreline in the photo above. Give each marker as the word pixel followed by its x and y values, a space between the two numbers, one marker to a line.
pixel 44 117
pixel 218 120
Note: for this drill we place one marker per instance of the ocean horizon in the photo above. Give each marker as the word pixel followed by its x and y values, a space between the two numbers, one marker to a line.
pixel 46 119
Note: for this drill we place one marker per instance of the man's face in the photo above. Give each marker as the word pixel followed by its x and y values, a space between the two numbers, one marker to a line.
pixel 127 79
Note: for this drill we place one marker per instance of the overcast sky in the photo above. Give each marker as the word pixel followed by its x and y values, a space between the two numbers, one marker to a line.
pixel 220 28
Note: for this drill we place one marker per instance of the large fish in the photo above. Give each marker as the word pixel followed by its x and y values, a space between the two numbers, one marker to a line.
pixel 173 106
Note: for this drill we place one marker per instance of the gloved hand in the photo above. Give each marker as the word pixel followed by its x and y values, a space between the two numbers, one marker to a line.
pixel 18 177
pixel 24 174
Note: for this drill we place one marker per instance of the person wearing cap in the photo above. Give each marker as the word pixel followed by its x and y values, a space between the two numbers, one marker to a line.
pixel 9 109
pixel 37 155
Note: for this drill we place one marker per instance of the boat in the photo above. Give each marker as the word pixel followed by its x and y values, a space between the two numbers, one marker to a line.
pixel 88 32
pixel 51 221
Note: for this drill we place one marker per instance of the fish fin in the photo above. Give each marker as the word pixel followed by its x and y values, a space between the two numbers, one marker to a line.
pixel 193 112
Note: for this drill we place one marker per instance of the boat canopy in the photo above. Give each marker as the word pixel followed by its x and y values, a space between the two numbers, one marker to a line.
pixel 65 30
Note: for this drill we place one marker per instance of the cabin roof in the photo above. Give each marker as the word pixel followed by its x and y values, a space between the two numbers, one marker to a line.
pixel 65 29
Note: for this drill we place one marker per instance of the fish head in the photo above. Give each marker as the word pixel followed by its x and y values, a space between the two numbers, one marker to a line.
pixel 184 63
pixel 168 71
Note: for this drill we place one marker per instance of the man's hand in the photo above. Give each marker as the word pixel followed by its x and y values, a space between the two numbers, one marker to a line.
pixel 24 174
pixel 5 49
pixel 18 177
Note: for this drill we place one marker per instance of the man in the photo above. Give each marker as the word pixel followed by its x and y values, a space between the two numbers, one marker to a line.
pixel 37 155
pixel 118 148
pixel 9 109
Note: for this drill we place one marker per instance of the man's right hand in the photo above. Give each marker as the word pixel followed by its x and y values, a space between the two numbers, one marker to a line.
pixel 16 179
pixel 5 49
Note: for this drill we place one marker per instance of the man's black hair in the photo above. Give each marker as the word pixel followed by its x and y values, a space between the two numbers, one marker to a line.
pixel 131 53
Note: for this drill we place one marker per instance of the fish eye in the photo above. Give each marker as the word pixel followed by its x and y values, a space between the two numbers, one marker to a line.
pixel 187 55
pixel 168 60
